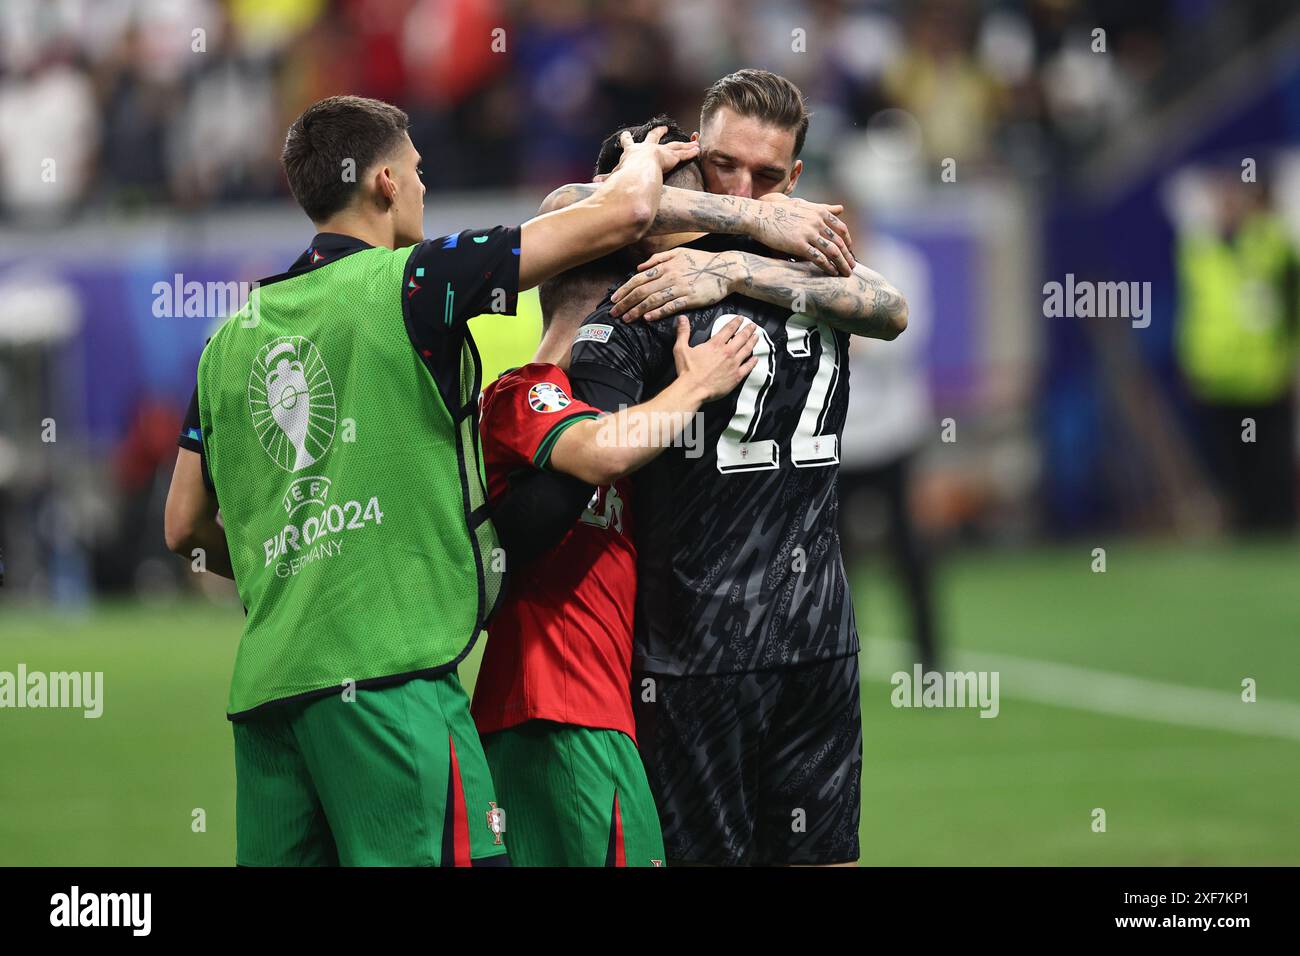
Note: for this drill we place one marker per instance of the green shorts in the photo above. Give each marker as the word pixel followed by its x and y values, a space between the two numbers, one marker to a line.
pixel 574 796
pixel 395 777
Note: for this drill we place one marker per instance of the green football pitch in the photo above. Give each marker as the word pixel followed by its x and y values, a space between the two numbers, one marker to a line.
pixel 1119 692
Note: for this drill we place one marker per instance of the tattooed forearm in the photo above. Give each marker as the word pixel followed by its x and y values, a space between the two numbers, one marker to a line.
pixel 861 304
pixel 684 210
pixel 811 232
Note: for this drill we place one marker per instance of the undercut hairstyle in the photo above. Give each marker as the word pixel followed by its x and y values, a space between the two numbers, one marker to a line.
pixel 681 175
pixel 763 96
pixel 325 137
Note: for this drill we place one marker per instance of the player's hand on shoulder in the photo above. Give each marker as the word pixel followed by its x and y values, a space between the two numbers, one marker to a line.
pixel 810 231
pixel 676 281
pixel 716 366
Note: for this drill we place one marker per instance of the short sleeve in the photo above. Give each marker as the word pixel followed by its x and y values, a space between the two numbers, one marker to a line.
pixel 191 436
pixel 526 413
pixel 450 280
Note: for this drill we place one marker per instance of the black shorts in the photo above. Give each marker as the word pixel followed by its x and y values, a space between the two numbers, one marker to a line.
pixel 757 769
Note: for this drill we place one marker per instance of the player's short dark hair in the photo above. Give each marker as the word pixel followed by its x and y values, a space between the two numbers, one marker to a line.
pixel 575 284
pixel 328 134
pixel 760 95
pixel 611 151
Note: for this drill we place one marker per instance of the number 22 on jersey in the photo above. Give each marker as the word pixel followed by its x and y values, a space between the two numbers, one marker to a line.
pixel 809 448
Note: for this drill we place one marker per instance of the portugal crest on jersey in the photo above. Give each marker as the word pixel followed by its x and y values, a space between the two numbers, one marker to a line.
pixel 547 397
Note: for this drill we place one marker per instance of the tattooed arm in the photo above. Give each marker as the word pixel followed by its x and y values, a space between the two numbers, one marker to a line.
pixel 680 280
pixel 863 304
pixel 807 231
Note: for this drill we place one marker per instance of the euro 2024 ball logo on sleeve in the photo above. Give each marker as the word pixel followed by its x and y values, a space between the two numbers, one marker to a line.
pixel 292 402
pixel 547 397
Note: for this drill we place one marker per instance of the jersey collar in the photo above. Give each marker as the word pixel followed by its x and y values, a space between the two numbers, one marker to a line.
pixel 326 247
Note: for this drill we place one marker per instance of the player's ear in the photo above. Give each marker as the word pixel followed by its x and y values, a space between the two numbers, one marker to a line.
pixel 385 185
pixel 794 176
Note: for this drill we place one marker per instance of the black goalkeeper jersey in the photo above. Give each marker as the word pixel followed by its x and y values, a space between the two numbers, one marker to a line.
pixel 739 565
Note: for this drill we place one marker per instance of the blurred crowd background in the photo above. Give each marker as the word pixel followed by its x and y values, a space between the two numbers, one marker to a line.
pixel 184 102
pixel 984 149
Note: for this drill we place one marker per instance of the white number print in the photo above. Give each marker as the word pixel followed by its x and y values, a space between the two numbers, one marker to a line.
pixel 737 449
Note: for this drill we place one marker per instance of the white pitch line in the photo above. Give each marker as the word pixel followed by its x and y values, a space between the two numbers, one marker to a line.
pixel 1103 692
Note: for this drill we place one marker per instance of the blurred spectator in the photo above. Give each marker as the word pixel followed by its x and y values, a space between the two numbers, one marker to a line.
pixel 637 68
pixel 181 108
pixel 226 143
pixel 460 102
pixel 49 128
pixel 142 468
pixel 268 25
pixel 138 110
pixel 943 86
pixel 1239 312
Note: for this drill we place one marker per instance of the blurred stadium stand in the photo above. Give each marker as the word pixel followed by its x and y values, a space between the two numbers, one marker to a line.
pixel 166 117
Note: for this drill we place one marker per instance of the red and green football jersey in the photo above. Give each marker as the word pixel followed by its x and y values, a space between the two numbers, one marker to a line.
pixel 560 644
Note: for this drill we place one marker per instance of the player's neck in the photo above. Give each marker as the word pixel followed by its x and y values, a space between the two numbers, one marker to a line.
pixel 375 232
pixel 555 345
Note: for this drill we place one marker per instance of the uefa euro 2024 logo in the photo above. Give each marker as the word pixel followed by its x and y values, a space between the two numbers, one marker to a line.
pixel 292 402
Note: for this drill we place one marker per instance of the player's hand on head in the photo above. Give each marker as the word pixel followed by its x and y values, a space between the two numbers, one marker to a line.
pixel 811 231
pixel 675 281
pixel 718 365
pixel 667 155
